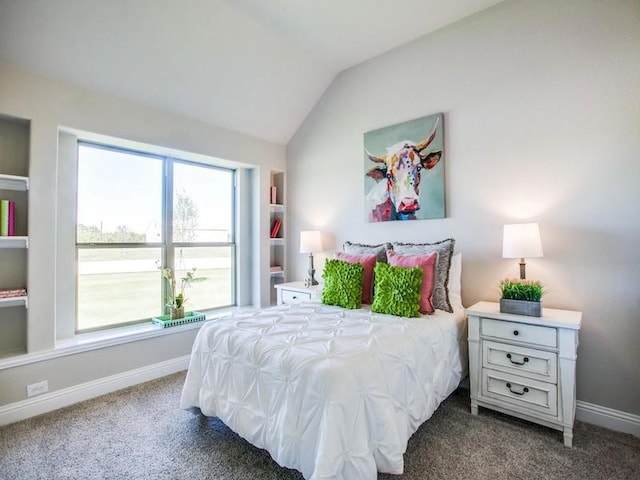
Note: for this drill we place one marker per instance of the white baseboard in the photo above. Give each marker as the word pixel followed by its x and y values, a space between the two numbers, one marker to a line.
pixel 586 412
pixel 30 407
pixel 608 418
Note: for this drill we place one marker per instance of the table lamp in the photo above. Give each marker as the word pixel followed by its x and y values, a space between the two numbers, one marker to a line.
pixel 521 240
pixel 310 241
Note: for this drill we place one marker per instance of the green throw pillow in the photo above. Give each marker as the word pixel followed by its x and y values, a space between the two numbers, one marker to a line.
pixel 342 283
pixel 397 290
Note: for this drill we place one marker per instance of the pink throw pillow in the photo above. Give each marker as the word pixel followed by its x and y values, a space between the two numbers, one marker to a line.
pixel 428 264
pixel 368 263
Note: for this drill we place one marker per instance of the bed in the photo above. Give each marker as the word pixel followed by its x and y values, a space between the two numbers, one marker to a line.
pixel 331 392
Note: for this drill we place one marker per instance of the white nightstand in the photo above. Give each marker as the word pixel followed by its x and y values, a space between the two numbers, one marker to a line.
pixel 296 292
pixel 525 366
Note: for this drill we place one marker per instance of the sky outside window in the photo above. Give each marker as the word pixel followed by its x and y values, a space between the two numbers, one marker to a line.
pixel 117 189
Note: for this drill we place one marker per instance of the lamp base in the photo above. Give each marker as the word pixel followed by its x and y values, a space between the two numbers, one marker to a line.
pixel 310 280
pixel 523 274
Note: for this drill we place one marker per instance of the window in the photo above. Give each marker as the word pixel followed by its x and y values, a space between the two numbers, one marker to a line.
pixel 138 213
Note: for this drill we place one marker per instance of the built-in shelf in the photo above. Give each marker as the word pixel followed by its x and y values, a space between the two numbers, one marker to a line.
pixel 9 355
pixel 14 182
pixel 14 302
pixel 277 213
pixel 277 207
pixel 14 163
pixel 14 242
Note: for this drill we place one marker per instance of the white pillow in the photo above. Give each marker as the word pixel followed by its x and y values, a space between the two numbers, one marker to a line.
pixel 455 282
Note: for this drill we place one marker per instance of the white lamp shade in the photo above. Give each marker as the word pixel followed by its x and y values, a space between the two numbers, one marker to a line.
pixel 521 240
pixel 310 241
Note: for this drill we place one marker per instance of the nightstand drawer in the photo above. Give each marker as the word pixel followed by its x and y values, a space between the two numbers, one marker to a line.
pixel 524 392
pixel 527 362
pixel 520 332
pixel 291 296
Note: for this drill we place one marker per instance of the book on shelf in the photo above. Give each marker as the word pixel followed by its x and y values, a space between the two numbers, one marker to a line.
pixel 16 292
pixel 275 268
pixel 273 195
pixel 275 228
pixel 7 218
pixel 12 219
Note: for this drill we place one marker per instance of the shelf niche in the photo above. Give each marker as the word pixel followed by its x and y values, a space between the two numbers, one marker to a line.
pixel 277 211
pixel 14 185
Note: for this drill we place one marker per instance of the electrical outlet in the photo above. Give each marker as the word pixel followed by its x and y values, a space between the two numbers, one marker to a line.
pixel 37 388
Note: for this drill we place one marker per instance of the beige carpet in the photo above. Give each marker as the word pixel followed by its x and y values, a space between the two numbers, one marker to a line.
pixel 139 433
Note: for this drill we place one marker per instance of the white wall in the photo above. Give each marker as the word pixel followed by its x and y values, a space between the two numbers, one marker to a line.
pixel 542 119
pixel 51 106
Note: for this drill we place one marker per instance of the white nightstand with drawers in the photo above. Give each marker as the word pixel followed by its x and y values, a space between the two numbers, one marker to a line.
pixel 296 292
pixel 525 366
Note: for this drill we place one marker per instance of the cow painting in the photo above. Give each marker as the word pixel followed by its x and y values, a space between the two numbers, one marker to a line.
pixel 403 186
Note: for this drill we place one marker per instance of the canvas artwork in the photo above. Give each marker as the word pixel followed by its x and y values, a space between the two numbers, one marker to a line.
pixel 404 170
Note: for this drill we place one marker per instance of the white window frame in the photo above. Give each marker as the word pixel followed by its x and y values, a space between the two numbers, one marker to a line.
pixel 247 286
pixel 166 245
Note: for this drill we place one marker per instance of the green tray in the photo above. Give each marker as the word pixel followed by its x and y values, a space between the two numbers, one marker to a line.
pixel 165 320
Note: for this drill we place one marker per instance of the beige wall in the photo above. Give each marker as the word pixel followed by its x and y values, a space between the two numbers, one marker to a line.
pixel 51 106
pixel 542 119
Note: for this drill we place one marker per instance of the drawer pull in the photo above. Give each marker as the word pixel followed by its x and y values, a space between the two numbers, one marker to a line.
pixel 524 390
pixel 294 298
pixel 516 333
pixel 524 360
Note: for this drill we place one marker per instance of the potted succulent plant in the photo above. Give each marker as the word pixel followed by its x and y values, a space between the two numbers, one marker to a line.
pixel 521 297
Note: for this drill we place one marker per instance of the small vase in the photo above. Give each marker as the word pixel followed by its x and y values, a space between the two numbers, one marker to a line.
pixel 177 312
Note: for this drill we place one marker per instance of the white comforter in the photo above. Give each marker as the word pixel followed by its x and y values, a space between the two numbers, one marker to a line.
pixel 331 392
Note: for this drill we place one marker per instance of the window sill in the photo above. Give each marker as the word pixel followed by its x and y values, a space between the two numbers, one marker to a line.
pixel 85 342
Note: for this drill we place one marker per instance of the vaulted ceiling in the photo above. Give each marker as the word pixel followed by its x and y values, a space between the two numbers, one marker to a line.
pixel 254 66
